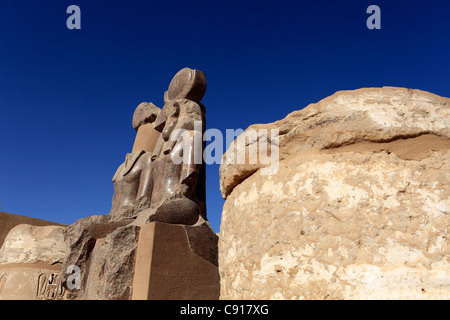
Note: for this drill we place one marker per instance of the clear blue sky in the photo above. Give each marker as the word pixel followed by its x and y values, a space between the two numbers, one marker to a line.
pixel 67 96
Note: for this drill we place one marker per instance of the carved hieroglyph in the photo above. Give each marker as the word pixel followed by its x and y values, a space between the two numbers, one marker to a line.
pixel 31 283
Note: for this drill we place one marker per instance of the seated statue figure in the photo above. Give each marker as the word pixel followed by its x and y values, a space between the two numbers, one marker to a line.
pixel 151 185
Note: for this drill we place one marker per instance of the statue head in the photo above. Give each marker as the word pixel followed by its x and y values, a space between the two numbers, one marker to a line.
pixel 145 113
pixel 187 84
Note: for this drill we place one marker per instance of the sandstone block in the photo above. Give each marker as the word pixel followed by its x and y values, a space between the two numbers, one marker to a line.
pixel 30 263
pixel 169 265
pixel 359 208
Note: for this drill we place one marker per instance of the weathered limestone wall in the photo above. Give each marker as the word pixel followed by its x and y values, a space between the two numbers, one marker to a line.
pixel 9 221
pixel 359 208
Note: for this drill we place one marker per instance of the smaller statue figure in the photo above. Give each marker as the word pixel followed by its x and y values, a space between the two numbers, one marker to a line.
pixel 127 177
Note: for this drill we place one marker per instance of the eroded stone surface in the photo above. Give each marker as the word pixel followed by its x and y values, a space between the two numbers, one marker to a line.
pixel 30 244
pixel 347 118
pixel 149 186
pixel 359 211
pixel 30 263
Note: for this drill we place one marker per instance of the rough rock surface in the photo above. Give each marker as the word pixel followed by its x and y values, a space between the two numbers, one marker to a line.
pixel 31 244
pixel 359 208
pixel 9 221
pixel 30 263
pixel 145 113
pixel 351 118
pixel 105 250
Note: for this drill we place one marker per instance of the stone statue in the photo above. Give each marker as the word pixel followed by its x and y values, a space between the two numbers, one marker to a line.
pixel 151 186
pixel 149 181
